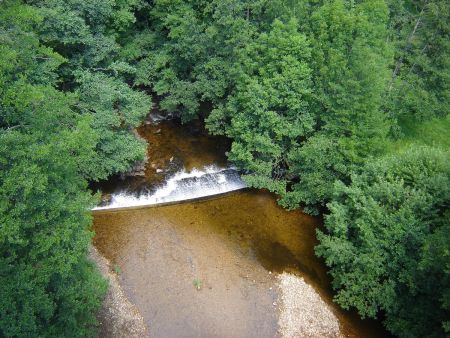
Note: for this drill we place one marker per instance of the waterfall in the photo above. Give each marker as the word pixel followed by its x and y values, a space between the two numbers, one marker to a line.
pixel 183 185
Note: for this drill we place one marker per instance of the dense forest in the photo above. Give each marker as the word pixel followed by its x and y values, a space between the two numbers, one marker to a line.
pixel 340 107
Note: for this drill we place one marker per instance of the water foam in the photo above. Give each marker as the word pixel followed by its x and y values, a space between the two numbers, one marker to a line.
pixel 184 185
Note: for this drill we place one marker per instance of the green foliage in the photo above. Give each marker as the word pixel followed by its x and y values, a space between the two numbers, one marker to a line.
pixel 197 284
pixel 115 110
pixel 387 241
pixel 432 133
pixel 349 63
pixel 419 85
pixel 49 289
pixel 194 52
pixel 89 34
pixel 267 114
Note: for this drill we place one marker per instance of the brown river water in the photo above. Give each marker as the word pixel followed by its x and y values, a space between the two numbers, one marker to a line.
pixel 208 267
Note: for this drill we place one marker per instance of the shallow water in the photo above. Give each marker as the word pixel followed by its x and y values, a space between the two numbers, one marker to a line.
pixel 206 268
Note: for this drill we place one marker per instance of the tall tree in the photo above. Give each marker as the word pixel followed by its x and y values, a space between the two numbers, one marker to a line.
pixel 419 81
pixel 88 34
pixel 49 288
pixel 388 240
pixel 268 114
pixel 196 46
pixel 349 64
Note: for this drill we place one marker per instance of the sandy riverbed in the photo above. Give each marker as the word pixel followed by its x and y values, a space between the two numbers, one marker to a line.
pixel 217 268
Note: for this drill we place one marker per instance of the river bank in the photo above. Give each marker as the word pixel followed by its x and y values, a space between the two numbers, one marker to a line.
pixel 118 316
pixel 230 265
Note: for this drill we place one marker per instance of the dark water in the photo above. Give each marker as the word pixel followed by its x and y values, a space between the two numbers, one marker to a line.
pixel 183 163
pixel 207 268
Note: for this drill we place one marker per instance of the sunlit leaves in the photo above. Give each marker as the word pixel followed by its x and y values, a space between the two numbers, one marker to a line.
pixel 387 241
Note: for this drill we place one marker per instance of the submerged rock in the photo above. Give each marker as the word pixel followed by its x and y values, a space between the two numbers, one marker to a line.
pixel 106 199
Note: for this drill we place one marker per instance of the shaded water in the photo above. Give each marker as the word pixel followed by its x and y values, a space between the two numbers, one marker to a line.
pixel 230 247
pixel 172 150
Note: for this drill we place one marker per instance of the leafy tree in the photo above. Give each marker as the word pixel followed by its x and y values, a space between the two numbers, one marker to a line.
pixel 195 49
pixel 419 84
pixel 49 288
pixel 268 112
pixel 387 242
pixel 349 73
pixel 116 110
pixel 88 34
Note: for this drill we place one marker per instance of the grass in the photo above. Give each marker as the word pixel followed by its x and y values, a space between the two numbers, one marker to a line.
pixel 197 283
pixel 434 133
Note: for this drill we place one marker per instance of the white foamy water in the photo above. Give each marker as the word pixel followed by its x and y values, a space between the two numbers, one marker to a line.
pixel 182 186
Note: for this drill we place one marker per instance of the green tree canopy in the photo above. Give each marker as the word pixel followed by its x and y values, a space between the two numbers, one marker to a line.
pixel 349 64
pixel 49 288
pixel 388 238
pixel 420 76
pixel 268 112
pixel 88 34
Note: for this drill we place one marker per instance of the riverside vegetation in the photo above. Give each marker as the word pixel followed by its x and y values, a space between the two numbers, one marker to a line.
pixel 339 107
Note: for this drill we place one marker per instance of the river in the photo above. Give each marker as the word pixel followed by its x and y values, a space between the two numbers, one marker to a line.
pixel 198 255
